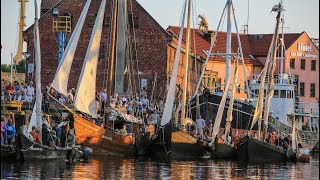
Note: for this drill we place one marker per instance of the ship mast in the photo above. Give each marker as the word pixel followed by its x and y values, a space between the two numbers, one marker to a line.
pixel 19 56
pixel 110 78
pixel 186 65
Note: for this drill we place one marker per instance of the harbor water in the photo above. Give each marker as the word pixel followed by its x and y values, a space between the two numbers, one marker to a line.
pixel 144 168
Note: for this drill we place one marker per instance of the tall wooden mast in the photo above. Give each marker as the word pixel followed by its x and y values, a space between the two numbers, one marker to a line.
pixel 18 57
pixel 110 83
pixel 186 64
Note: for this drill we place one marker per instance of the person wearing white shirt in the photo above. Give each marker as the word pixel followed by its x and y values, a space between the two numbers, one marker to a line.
pixel 200 124
pixel 29 92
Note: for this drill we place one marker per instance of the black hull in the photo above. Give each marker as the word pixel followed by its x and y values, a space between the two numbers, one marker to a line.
pixel 223 151
pixel 209 104
pixel 142 144
pixel 35 151
pixel 255 151
pixel 172 143
pixel 8 152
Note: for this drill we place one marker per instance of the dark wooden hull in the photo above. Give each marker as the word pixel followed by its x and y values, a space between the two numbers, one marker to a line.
pixel 35 151
pixel 142 144
pixel 223 151
pixel 172 143
pixel 8 152
pixel 255 151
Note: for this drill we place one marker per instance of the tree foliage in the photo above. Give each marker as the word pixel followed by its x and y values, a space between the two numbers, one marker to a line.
pixel 20 68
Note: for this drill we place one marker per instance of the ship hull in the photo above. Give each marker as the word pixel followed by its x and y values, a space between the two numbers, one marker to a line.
pixel 252 150
pixel 173 143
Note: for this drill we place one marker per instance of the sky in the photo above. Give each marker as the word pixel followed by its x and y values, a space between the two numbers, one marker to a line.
pixel 299 16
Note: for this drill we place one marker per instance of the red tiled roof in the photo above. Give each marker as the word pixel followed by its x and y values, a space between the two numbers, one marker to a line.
pixel 260 43
pixel 203 42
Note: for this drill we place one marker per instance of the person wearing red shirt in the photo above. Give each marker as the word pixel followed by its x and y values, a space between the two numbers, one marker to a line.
pixel 35 135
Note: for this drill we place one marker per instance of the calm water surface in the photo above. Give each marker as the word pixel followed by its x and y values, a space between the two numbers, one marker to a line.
pixel 142 168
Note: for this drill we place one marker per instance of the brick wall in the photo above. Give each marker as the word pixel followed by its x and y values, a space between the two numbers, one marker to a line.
pixel 151 40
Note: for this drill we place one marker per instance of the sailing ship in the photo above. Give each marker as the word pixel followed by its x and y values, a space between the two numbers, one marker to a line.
pixel 172 141
pixel 28 148
pixel 256 149
pixel 102 138
pixel 243 109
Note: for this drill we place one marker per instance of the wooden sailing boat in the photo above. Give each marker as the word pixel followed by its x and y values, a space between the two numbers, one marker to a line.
pixel 254 149
pixel 30 149
pixel 102 138
pixel 225 148
pixel 170 141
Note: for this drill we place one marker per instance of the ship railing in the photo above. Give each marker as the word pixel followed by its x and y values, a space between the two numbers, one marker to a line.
pixel 309 137
pixel 307 108
pixel 278 79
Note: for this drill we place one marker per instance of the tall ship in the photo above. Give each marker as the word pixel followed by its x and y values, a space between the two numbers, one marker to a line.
pixel 284 104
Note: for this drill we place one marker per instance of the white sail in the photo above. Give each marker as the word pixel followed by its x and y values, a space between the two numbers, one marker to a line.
pixel 61 78
pixel 85 93
pixel 37 55
pixel 167 112
pixel 33 119
pixel 218 119
pixel 231 102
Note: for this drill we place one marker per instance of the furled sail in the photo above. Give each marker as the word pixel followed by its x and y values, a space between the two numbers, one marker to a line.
pixel 259 106
pixel 85 93
pixel 270 91
pixel 218 119
pixel 167 112
pixel 37 55
pixel 232 92
pixel 61 78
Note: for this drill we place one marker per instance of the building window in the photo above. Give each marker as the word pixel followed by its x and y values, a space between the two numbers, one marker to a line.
pixel 313 65
pixel 292 63
pixel 282 93
pixel 276 93
pixel 312 89
pixel 301 88
pixel 102 51
pixel 133 21
pixel 303 64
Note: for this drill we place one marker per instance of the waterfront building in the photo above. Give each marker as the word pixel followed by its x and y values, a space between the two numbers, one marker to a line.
pixel 151 45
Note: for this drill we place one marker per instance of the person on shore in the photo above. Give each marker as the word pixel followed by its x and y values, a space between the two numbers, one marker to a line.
pixel 35 135
pixel 9 132
pixel 30 92
pixel 200 124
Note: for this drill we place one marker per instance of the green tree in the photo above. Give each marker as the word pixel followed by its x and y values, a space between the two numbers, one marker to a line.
pixel 20 68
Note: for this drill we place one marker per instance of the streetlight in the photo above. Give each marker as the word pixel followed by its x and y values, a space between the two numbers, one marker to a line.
pixel 26 55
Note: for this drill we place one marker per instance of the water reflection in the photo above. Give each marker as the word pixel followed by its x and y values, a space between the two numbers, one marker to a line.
pixel 142 168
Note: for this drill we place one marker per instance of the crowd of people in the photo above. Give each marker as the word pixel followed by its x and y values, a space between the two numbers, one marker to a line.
pixel 17 91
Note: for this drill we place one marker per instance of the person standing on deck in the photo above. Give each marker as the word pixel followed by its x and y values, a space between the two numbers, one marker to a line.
pixel 200 124
pixel 35 135
pixel 154 117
